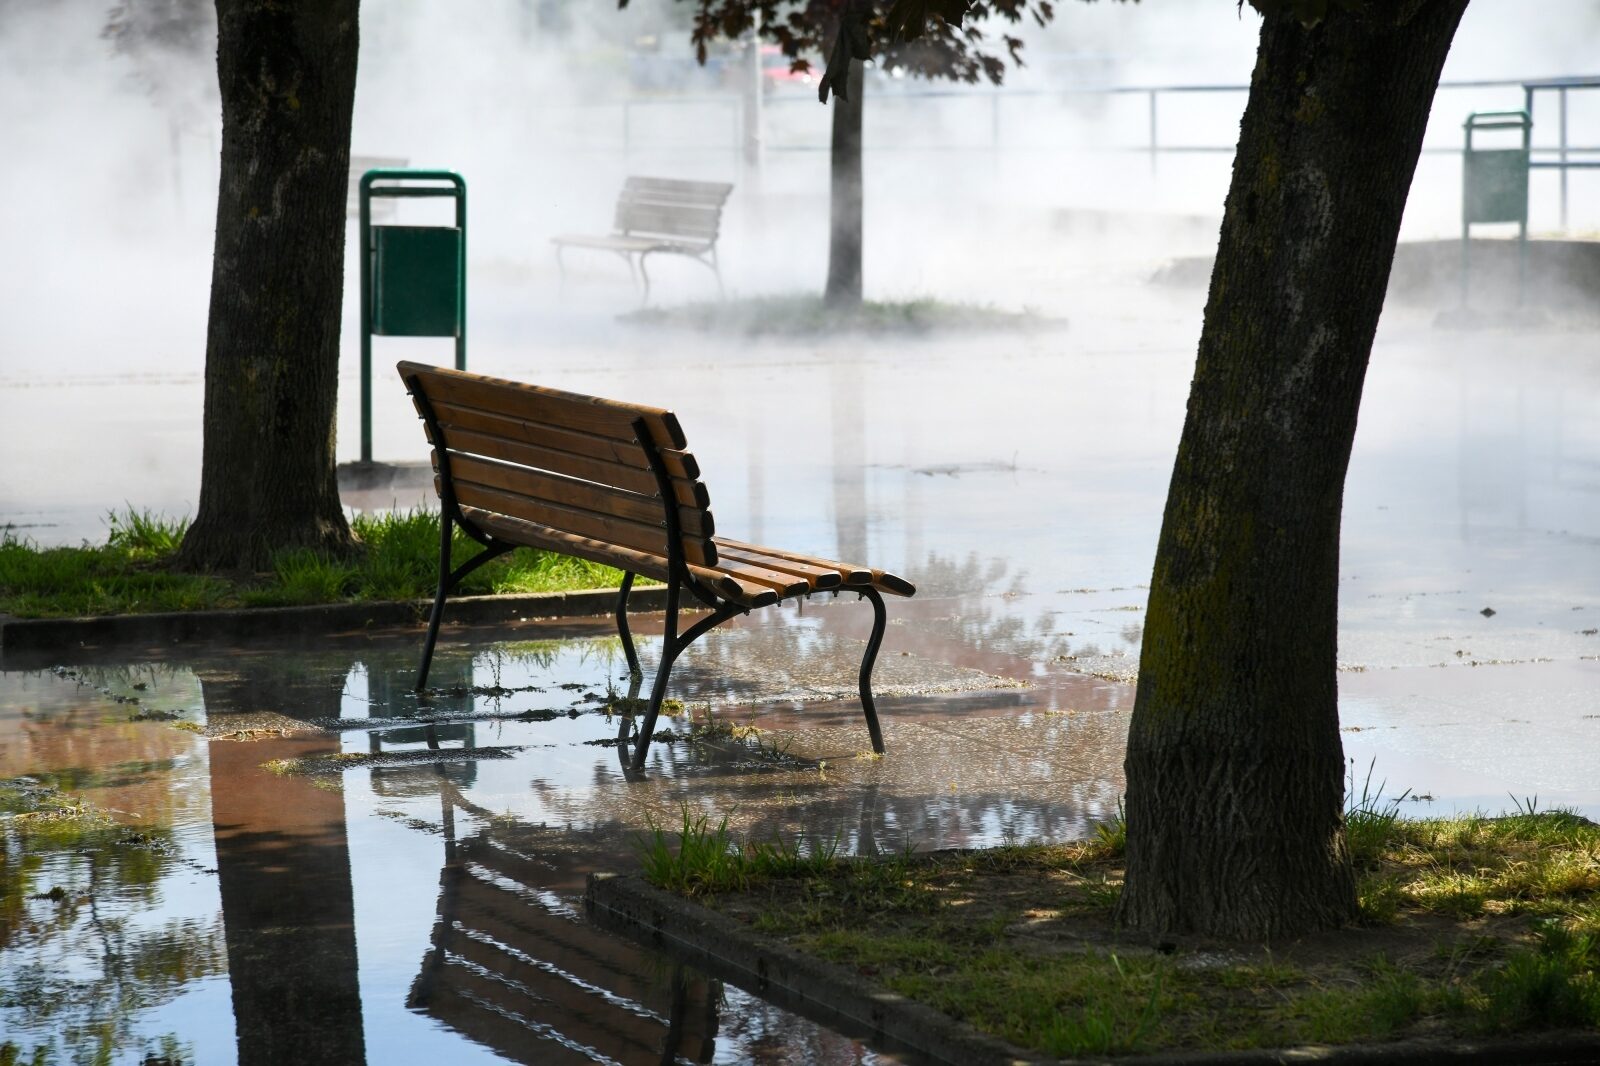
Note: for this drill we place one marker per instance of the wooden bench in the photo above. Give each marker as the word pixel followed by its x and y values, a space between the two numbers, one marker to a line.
pixel 523 466
pixel 659 216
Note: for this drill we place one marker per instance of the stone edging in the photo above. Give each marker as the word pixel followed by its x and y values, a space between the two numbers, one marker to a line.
pixel 45 634
pixel 725 948
pixel 732 951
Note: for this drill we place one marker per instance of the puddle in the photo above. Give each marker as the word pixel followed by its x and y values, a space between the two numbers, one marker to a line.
pixel 348 872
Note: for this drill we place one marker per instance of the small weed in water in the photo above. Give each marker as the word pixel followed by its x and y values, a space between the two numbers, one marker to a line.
pixel 1369 819
pixel 708 860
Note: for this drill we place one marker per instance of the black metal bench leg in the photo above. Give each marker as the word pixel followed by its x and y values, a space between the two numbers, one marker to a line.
pixel 879 621
pixel 658 691
pixel 622 626
pixel 671 647
pixel 645 274
pixel 438 599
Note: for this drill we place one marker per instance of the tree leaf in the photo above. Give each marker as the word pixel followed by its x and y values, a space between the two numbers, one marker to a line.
pixel 908 19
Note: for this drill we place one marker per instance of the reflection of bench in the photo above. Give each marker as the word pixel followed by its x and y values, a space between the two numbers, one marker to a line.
pixel 513 967
pixel 660 215
pixel 523 466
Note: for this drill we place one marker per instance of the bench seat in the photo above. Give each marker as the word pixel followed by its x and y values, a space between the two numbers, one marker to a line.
pixel 750 575
pixel 518 465
pixel 622 243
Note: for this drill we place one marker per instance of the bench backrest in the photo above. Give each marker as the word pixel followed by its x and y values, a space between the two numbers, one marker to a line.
pixel 572 464
pixel 689 211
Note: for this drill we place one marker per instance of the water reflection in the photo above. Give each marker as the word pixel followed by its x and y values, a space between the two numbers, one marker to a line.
pixel 413 888
pixel 283 869
pixel 512 965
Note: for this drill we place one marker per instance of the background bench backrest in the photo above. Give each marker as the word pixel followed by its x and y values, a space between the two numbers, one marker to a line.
pixel 564 460
pixel 688 211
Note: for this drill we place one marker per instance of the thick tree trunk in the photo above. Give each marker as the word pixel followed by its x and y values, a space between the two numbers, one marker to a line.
pixel 287 73
pixel 844 204
pixel 1235 771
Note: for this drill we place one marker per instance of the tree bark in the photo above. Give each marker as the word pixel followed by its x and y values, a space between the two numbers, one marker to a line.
pixel 1234 766
pixel 287 73
pixel 844 202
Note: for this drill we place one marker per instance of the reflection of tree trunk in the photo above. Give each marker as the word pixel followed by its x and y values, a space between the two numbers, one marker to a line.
pixel 849 459
pixel 1235 771
pixel 283 861
pixel 845 220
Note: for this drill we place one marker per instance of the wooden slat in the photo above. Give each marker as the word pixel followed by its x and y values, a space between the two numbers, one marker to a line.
pixel 697 223
pixel 820 578
pixel 538 535
pixel 611 243
pixel 853 575
pixel 623 532
pixel 785 585
pixel 534 403
pixel 709 192
pixel 679 463
pixel 888 582
pixel 584 495
pixel 740 590
pixel 601 471
pixel 850 573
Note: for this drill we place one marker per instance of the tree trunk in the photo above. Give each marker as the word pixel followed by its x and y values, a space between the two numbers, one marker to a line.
pixel 844 204
pixel 287 73
pixel 1234 766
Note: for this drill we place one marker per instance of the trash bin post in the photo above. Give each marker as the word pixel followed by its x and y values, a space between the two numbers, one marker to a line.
pixel 1494 187
pixel 413 278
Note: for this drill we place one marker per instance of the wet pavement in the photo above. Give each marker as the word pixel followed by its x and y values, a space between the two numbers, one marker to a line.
pixel 341 872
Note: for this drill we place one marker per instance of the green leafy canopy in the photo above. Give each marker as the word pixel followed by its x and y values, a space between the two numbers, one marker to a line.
pixel 924 38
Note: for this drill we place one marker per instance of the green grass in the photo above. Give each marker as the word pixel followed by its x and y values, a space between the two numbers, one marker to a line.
pixel 708 860
pixel 805 314
pixel 1488 927
pixel 132 571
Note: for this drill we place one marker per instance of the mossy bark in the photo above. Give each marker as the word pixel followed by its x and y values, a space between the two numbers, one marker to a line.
pixel 287 74
pixel 845 225
pixel 1234 766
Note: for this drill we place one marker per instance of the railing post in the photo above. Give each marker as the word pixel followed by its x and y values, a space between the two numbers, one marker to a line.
pixel 1154 143
pixel 1563 157
pixel 994 131
pixel 626 132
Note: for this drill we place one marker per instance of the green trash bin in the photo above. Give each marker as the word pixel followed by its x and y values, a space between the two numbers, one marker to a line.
pixel 1494 187
pixel 413 278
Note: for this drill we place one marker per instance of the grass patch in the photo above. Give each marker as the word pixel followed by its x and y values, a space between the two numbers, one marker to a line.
pixel 1472 926
pixel 708 860
pixel 805 314
pixel 132 571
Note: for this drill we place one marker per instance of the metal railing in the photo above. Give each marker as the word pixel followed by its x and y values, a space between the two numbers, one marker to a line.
pixel 1562 162
pixel 1562 156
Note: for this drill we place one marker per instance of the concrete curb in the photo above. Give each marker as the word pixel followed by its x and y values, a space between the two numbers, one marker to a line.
pixel 46 634
pixel 730 950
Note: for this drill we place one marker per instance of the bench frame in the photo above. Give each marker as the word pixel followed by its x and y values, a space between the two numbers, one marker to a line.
pixel 721 607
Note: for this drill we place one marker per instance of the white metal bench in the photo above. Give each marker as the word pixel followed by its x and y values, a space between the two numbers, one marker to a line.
pixel 659 216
